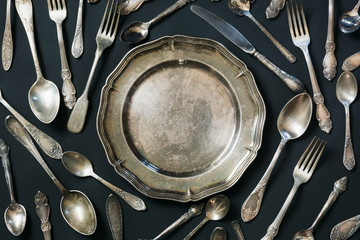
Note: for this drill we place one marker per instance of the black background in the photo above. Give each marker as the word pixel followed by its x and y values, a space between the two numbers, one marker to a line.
pixel 29 177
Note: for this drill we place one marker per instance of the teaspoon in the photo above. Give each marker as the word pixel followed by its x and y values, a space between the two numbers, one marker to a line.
pixel 292 122
pixel 350 21
pixel 75 207
pixel 80 166
pixel 346 91
pixel 43 96
pixel 15 214
pixel 137 31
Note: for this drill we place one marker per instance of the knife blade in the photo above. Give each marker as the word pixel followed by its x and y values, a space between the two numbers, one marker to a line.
pixel 231 33
pixel 114 217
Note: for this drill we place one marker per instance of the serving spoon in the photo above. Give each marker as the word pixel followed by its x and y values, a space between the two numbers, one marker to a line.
pixel 346 91
pixel 350 21
pixel 75 207
pixel 137 31
pixel 292 122
pixel 80 166
pixel 15 214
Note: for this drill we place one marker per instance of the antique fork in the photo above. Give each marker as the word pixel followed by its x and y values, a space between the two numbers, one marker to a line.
pixel 104 38
pixel 302 173
pixel 301 38
pixel 57 12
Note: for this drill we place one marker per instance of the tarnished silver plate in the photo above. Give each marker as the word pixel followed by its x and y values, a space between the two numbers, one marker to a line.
pixel 181 118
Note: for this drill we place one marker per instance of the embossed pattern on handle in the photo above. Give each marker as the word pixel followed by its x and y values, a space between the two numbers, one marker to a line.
pixel 345 229
pixel 129 6
pixel 7 44
pixel 291 82
pixel 348 156
pixel 272 11
pixel 4 154
pixel 43 212
pixel 329 62
pixel 77 46
pixel 239 233
pixel 352 62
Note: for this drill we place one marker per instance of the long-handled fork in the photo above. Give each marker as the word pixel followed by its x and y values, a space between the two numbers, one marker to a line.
pixel 301 38
pixel 104 38
pixel 57 12
pixel 302 173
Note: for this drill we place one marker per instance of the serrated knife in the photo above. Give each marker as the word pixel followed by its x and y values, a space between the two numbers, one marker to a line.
pixel 240 41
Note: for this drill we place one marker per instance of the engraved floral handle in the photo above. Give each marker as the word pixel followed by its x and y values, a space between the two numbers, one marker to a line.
pixel 272 11
pixel 345 229
pixel 291 82
pixel 329 62
pixel 349 156
pixel 45 142
pixel 252 204
pixel 77 46
pixel 4 154
pixel 352 62
pixel 7 44
pixel 43 212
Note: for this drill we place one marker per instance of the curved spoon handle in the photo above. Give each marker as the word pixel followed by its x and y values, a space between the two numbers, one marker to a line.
pixel 45 142
pixel 135 202
pixel 252 204
pixel 345 229
pixel 43 212
pixel 349 156
pixel 19 133
pixel 7 44
pixel 329 62
pixel 4 154
pixel 192 233
pixel 339 187
pixel 77 46
pixel 352 62
pixel 178 4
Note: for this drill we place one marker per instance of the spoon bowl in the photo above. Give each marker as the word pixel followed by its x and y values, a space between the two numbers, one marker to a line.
pixel 305 234
pixel 349 22
pixel 44 99
pixel 15 218
pixel 346 88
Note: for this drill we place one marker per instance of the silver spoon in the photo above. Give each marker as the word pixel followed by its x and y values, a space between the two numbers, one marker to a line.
pixel 137 31
pixel 80 166
pixel 292 122
pixel 346 91
pixel 43 212
pixel 242 8
pixel 350 21
pixel 216 208
pixel 43 96
pixel 75 207
pixel 219 233
pixel 77 46
pixel 15 214
pixel 307 234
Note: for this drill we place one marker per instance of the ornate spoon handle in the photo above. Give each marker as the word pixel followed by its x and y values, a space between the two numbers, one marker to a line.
pixel 4 154
pixel 272 11
pixel 43 211
pixel 352 62
pixel 345 229
pixel 129 6
pixel 7 44
pixel 349 156
pixel 77 46
pixel 329 62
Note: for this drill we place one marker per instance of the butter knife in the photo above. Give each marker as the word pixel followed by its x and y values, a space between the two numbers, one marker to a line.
pixel 240 41
pixel 114 217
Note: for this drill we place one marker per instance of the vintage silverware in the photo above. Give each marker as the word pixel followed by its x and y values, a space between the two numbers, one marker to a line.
pixel 272 11
pixel 307 234
pixel 292 122
pixel 242 8
pixel 114 217
pixel 7 43
pixel 329 62
pixel 45 142
pixel 301 38
pixel 129 6
pixel 216 208
pixel 238 231
pixel 302 173
pixel 219 233
pixel 350 21
pixel 80 166
pixel 43 212
pixel 352 62
pixel 137 31
pixel 239 40
pixel 77 46
pixel 58 12
pixel 195 210
pixel 104 38
pixel 345 229
pixel 15 213
pixel 92 1
pixel 346 91
pixel 76 208
pixel 44 96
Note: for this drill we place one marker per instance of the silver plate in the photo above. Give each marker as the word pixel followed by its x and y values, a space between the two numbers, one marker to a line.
pixel 181 118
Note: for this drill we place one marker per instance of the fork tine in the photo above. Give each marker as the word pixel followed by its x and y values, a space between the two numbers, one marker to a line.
pixel 306 166
pixel 305 154
pixel 101 28
pixel 63 4
pixel 313 165
pixel 289 20
pixel 294 20
pixel 303 18
pixel 49 5
pixel 299 19
pixel 117 14
pixel 110 13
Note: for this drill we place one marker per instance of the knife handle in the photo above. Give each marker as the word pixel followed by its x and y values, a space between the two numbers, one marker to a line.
pixel 291 82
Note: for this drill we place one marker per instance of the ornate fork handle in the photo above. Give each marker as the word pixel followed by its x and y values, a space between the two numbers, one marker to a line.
pixel 329 62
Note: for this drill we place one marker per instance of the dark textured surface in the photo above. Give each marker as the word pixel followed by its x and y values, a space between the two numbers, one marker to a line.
pixel 29 177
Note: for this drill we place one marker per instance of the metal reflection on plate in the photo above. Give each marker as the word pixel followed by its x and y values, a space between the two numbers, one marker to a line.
pixel 181 118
